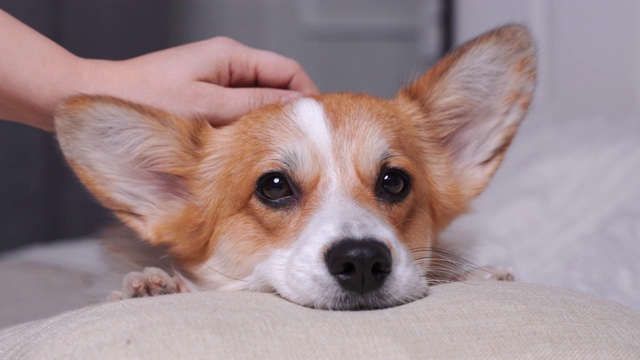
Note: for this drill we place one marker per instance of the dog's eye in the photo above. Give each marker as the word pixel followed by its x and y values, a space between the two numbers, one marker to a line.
pixel 393 185
pixel 273 189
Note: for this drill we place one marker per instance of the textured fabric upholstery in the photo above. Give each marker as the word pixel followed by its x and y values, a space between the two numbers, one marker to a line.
pixel 478 320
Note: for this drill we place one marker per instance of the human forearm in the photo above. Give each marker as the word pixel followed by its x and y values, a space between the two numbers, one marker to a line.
pixel 36 74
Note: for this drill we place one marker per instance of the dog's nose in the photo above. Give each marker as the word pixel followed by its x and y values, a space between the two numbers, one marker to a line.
pixel 359 265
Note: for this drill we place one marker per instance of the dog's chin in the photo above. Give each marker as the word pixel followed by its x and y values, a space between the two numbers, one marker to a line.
pixel 335 298
pixel 349 301
pixel 344 300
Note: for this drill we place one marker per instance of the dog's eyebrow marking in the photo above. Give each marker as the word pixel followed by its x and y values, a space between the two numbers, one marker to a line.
pixel 311 119
pixel 314 146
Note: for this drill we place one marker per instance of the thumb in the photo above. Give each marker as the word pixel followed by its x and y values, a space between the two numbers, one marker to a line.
pixel 236 102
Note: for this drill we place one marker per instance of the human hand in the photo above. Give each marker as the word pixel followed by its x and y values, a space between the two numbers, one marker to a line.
pixel 217 79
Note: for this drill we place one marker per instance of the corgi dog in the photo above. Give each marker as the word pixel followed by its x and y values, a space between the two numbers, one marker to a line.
pixel 333 201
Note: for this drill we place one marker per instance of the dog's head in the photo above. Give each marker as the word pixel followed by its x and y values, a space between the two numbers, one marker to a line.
pixel 332 201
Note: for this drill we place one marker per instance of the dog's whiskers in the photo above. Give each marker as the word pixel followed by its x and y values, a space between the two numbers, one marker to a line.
pixel 219 273
pixel 444 266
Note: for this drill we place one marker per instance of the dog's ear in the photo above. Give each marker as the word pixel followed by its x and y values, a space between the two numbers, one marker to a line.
pixel 471 103
pixel 134 159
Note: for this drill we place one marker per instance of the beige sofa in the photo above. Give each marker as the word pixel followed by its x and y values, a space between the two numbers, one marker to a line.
pixel 459 320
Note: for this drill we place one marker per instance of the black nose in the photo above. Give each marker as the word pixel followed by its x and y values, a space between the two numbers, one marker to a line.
pixel 359 265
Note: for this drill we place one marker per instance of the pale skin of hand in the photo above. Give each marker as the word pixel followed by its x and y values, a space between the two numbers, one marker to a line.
pixel 217 79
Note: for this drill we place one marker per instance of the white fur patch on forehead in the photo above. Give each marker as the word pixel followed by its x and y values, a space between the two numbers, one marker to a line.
pixel 312 121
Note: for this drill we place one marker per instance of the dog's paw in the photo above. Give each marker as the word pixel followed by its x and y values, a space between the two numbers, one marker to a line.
pixel 498 273
pixel 150 282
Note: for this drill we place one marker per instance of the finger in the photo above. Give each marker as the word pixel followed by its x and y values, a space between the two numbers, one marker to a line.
pixel 252 67
pixel 228 104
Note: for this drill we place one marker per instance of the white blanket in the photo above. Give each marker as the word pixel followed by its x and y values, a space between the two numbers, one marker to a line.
pixel 565 208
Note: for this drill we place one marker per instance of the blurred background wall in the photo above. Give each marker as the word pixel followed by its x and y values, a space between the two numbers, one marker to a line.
pixel 371 46
pixel 588 52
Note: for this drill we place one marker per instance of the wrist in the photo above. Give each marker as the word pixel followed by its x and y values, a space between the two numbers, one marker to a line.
pixel 94 77
pixel 64 79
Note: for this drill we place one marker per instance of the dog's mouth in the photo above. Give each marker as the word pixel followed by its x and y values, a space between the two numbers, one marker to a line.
pixel 371 301
pixel 350 301
pixel 338 298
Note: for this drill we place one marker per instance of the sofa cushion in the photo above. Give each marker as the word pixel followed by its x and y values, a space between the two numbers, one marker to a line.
pixel 477 319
